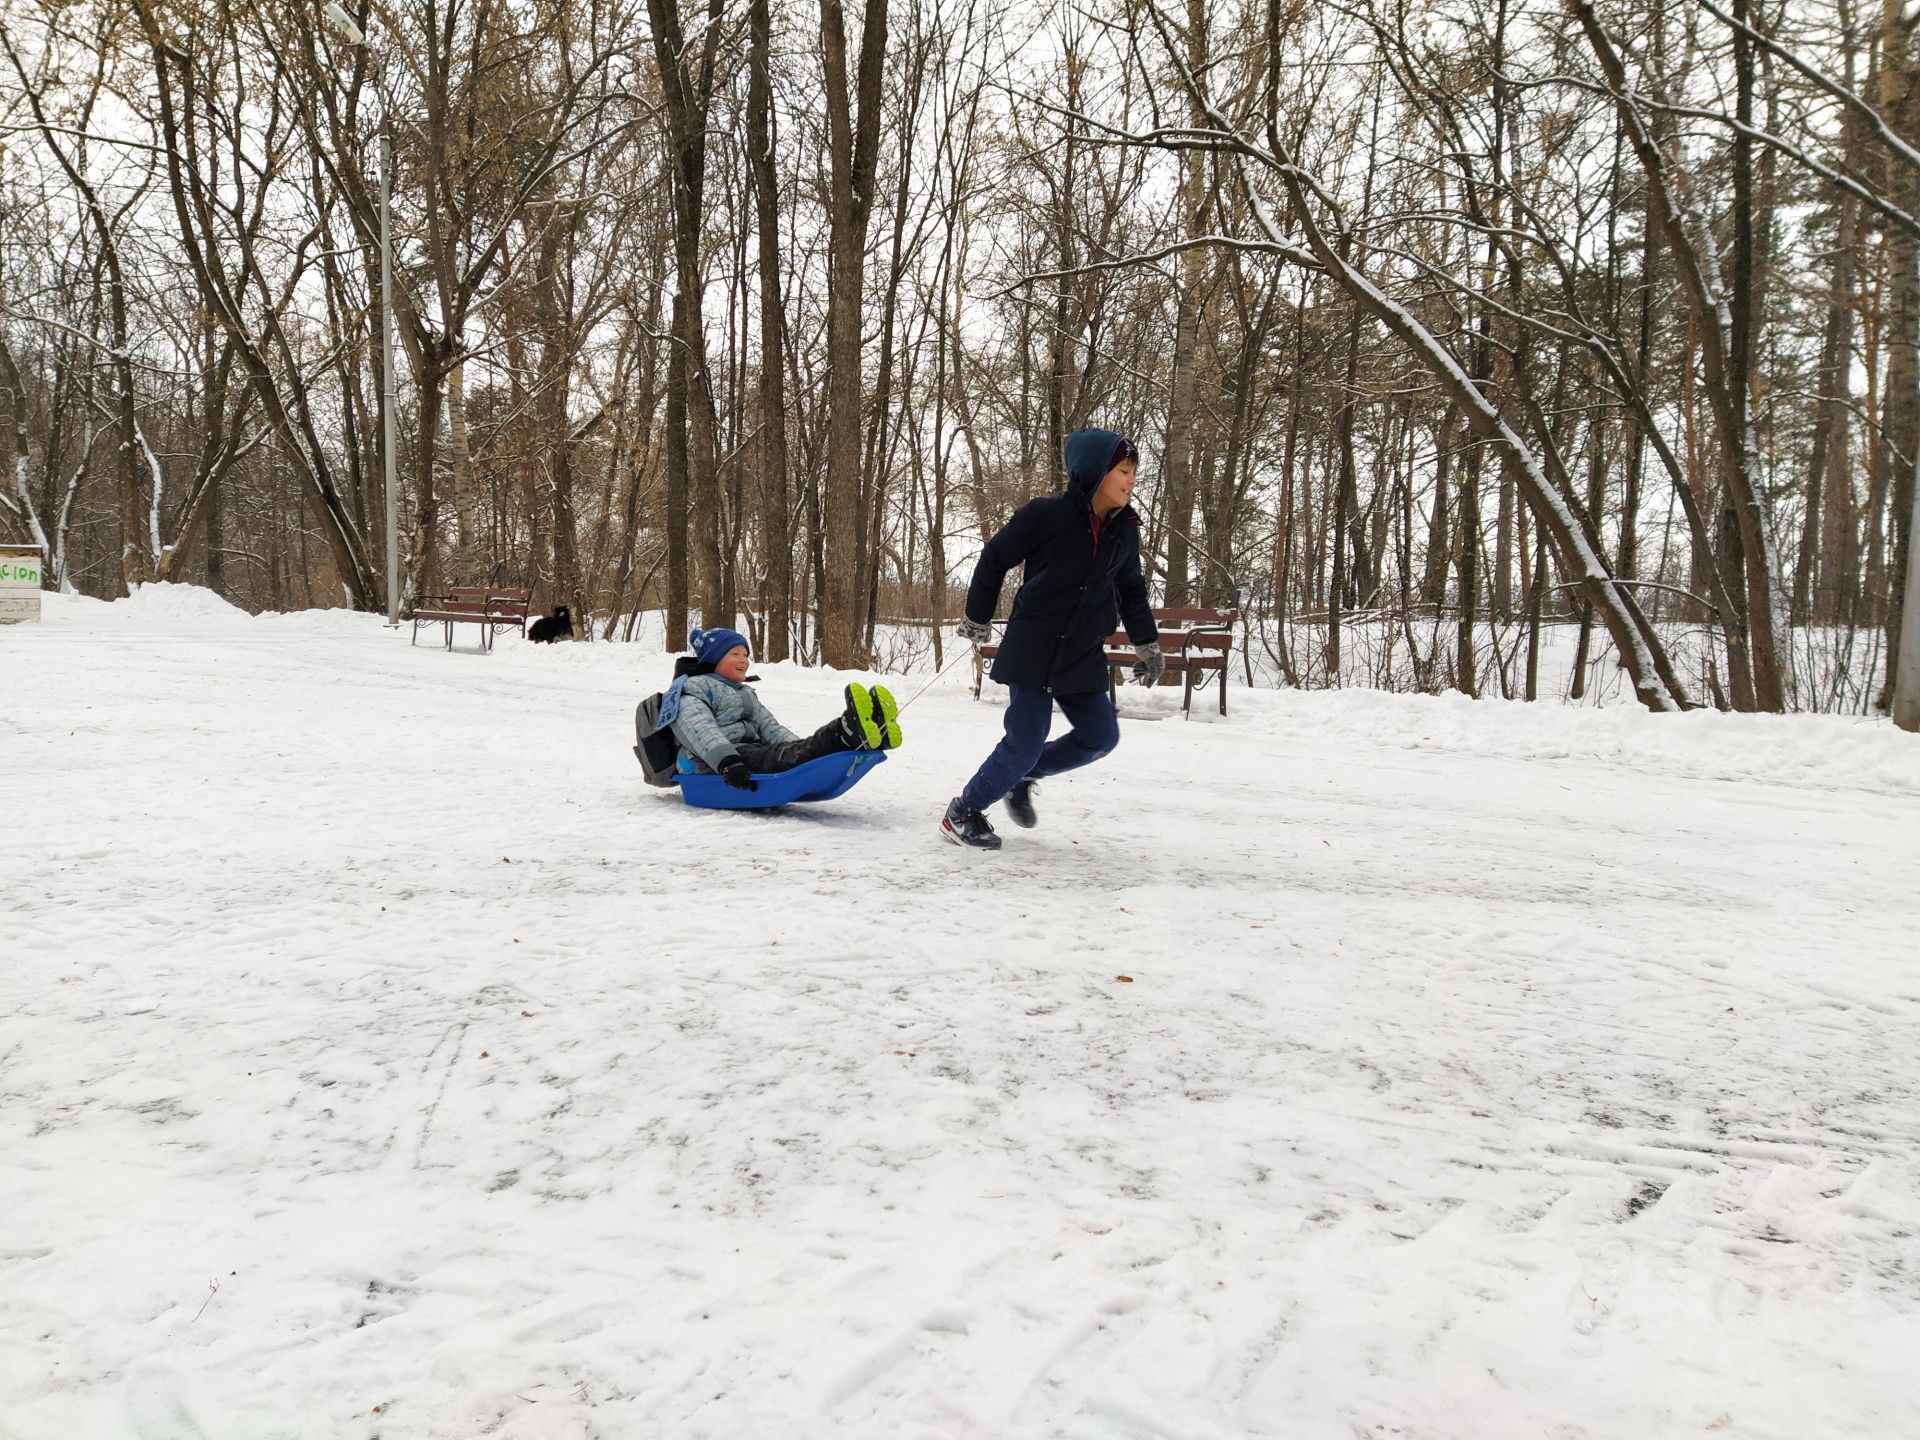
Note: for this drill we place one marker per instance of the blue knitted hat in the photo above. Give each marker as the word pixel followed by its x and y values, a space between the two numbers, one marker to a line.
pixel 710 646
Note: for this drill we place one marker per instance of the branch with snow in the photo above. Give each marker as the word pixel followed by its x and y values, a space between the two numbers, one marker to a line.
pixel 1824 81
pixel 1655 681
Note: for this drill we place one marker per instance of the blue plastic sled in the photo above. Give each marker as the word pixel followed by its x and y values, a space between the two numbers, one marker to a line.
pixel 827 778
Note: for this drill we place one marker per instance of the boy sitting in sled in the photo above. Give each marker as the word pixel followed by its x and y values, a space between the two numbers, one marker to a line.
pixel 721 726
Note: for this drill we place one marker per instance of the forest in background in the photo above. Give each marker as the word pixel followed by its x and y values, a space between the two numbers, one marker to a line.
pixel 1439 325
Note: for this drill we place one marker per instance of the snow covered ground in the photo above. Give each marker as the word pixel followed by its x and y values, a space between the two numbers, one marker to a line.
pixel 378 1057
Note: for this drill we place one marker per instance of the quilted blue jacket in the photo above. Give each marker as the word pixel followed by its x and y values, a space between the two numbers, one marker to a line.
pixel 717 716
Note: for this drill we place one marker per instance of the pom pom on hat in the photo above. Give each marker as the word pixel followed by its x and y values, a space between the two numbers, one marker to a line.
pixel 710 646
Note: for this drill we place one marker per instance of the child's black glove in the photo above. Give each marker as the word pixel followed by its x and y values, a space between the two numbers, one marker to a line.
pixel 734 771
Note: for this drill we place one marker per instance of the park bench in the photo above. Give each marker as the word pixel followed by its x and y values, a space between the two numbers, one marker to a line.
pixel 1194 641
pixel 491 607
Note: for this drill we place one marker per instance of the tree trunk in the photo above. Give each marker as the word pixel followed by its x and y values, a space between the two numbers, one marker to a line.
pixel 1503 554
pixel 853 144
pixel 693 518
pixel 1627 564
pixel 1900 103
pixel 1343 500
pixel 460 489
pixel 1061 330
pixel 1828 465
pixel 555 389
pixel 776 535
pixel 429 380
pixel 1176 466
pixel 1433 584
pixel 1466 572
pixel 1536 592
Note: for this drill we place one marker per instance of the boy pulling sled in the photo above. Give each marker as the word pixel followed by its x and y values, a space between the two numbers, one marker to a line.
pixel 1081 551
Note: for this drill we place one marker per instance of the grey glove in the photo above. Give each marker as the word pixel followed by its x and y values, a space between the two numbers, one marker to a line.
pixel 977 631
pixel 1152 663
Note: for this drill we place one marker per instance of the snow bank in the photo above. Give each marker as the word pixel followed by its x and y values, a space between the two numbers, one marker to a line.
pixel 1817 751
pixel 175 609
pixel 171 606
pixel 74 609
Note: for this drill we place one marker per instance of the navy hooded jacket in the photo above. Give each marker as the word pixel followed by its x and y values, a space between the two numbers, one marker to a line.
pixel 1074 585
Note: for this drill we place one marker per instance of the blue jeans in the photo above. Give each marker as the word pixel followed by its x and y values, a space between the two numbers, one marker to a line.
pixel 1023 752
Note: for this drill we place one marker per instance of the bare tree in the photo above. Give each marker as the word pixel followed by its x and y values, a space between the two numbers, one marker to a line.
pixel 853 149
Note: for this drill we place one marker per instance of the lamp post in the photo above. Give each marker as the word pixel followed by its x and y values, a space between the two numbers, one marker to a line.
pixel 343 23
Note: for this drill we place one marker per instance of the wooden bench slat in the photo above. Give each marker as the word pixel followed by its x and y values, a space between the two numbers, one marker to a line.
pixel 1127 657
pixel 1194 614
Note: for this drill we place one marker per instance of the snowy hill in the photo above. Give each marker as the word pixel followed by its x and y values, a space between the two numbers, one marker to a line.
pixel 380 1057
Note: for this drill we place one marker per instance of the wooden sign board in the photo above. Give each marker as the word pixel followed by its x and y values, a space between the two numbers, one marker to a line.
pixel 20 578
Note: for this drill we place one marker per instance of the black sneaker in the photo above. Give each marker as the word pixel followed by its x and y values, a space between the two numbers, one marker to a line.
pixel 862 720
pixel 968 827
pixel 1020 804
pixel 886 714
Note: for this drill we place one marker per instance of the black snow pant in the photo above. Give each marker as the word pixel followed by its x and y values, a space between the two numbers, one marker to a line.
pixel 829 739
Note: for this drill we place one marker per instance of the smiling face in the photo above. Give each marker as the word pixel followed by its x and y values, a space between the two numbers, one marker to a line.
pixel 1115 489
pixel 733 665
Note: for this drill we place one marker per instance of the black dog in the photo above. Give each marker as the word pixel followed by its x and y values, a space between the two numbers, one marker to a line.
pixel 549 628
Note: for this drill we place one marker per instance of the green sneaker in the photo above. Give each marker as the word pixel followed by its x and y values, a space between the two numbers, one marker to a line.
pixel 888 714
pixel 863 718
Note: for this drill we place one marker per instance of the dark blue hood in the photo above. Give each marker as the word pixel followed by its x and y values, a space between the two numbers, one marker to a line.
pixel 1089 456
